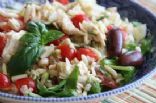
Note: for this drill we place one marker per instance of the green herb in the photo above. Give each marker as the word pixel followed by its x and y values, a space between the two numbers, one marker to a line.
pixel 102 17
pixel 43 91
pixel 96 88
pixel 65 88
pixel 146 46
pixel 112 61
pixel 135 23
pixel 127 76
pixel 23 59
pixel 127 72
pixel 131 46
pixel 58 87
pixel 33 95
pixel 31 47
pixel 123 68
pixel 72 79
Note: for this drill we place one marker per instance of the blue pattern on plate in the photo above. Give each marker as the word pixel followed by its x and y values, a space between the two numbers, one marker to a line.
pixel 127 8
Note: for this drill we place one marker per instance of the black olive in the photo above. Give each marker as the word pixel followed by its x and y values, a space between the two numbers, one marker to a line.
pixel 115 42
pixel 134 58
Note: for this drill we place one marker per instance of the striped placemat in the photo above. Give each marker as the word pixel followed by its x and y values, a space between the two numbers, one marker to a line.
pixel 146 93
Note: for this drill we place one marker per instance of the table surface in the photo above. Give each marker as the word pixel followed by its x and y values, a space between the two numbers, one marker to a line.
pixel 146 93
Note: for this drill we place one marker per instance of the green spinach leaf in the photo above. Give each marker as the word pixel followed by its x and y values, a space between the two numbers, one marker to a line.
pixel 72 79
pixel 24 59
pixel 96 88
pixel 65 88
pixel 51 35
pixel 112 61
pixel 131 46
pixel 146 46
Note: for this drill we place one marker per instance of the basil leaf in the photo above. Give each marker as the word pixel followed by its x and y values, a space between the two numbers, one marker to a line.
pixel 51 36
pixel 24 59
pixel 135 23
pixel 33 95
pixel 131 47
pixel 122 68
pixel 36 27
pixel 95 88
pixel 43 91
pixel 58 87
pixel 29 38
pixel 31 47
pixel 108 62
pixel 66 93
pixel 127 76
pixel 72 79
pixel 65 88
pixel 146 46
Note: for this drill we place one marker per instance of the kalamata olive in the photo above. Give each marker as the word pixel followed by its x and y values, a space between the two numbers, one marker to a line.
pixel 134 58
pixel 115 42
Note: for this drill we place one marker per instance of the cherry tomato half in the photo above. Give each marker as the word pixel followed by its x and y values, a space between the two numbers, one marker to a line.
pixel 77 19
pixel 25 81
pixel 67 52
pixel 109 27
pixel 87 52
pixel 58 41
pixel 4 81
pixel 6 27
pixel 64 2
pixel 3 41
pixel 3 19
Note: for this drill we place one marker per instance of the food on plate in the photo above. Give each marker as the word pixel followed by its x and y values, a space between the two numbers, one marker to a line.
pixel 64 49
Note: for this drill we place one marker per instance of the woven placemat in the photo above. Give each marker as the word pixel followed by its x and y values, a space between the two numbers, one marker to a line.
pixel 146 93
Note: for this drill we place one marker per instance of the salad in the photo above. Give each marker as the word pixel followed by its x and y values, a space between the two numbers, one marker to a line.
pixel 64 49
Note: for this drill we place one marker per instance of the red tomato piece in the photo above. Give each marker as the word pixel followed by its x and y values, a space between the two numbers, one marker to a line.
pixel 25 81
pixel 6 27
pixel 109 27
pixel 77 19
pixel 3 41
pixel 3 19
pixel 67 52
pixel 58 41
pixel 4 81
pixel 87 52
pixel 64 2
pixel 106 81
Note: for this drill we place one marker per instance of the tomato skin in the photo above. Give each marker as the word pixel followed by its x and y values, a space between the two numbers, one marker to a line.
pixel 64 2
pixel 67 52
pixel 25 81
pixel 4 81
pixel 106 81
pixel 77 19
pixel 6 27
pixel 3 41
pixel 109 27
pixel 58 41
pixel 86 52
pixel 3 19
